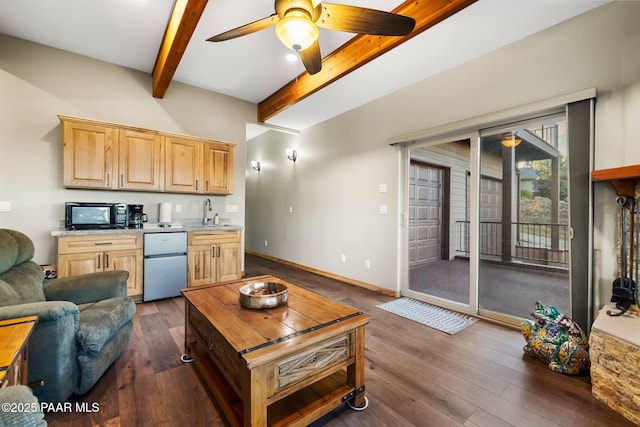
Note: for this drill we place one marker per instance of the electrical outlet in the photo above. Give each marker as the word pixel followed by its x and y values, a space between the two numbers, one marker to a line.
pixel 290 209
pixel 343 258
pixel 178 208
pixel 383 209
pixel 367 264
pixel 5 206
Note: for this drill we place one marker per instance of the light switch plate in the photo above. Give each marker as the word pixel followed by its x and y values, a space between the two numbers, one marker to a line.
pixel 232 208
pixel 382 188
pixel 383 209
pixel 5 206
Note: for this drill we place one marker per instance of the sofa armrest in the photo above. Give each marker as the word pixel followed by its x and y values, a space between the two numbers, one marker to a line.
pixel 47 311
pixel 87 288
pixel 52 347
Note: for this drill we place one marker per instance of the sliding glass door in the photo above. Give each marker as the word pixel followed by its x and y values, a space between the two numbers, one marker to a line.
pixel 524 237
pixel 439 192
pixel 499 217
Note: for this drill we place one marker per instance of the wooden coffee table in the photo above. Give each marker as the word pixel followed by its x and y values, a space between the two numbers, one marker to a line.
pixel 281 366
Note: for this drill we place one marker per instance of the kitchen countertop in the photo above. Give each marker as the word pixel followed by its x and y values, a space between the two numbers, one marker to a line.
pixel 149 228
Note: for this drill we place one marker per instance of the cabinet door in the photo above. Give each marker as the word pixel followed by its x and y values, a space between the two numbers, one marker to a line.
pixel 228 262
pixel 130 261
pixel 75 264
pixel 183 165
pixel 218 169
pixel 140 161
pixel 88 153
pixel 200 265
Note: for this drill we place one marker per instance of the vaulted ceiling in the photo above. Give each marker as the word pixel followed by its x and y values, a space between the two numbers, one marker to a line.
pixel 167 39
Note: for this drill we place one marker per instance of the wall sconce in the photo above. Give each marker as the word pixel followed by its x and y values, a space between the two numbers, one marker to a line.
pixel 255 165
pixel 291 154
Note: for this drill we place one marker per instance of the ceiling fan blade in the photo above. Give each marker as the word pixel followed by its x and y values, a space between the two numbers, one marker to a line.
pixel 361 20
pixel 311 58
pixel 243 30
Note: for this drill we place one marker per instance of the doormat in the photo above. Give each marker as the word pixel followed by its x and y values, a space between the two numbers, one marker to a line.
pixel 429 315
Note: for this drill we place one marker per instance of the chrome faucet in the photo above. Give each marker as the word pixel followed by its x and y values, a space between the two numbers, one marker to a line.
pixel 208 207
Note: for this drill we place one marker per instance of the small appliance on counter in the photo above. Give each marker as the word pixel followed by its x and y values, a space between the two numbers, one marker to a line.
pixel 164 215
pixel 94 215
pixel 135 216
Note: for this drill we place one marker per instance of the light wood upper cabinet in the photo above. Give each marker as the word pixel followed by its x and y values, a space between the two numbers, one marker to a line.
pixel 184 165
pixel 197 167
pixel 103 155
pixel 88 155
pixel 218 169
pixel 141 161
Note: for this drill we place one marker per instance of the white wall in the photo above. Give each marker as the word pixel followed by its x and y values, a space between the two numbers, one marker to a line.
pixel 37 83
pixel 334 185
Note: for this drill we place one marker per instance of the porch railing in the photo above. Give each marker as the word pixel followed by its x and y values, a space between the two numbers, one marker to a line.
pixel 537 243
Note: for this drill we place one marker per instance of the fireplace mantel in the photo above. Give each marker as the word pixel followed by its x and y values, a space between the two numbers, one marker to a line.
pixel 623 179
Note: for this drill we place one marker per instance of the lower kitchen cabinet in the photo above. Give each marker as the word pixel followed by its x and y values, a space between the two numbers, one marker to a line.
pixel 213 256
pixel 90 254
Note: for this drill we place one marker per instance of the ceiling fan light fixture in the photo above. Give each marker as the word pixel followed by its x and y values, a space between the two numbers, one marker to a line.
pixel 296 31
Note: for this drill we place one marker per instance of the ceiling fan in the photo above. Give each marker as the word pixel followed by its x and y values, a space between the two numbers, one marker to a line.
pixel 297 21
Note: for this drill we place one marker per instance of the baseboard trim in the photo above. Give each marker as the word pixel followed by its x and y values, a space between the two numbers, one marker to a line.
pixel 354 282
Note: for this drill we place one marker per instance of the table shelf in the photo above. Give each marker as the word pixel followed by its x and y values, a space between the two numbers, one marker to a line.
pixel 297 409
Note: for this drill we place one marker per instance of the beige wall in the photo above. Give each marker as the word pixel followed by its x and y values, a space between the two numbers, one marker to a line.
pixel 333 187
pixel 37 83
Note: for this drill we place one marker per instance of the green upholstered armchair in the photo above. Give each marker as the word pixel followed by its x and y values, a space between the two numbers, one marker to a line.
pixel 19 397
pixel 85 322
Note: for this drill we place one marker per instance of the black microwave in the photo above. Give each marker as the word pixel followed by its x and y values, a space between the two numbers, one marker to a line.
pixel 94 215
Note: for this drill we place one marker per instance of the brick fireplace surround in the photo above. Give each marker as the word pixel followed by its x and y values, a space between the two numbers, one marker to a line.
pixel 615 361
pixel 615 341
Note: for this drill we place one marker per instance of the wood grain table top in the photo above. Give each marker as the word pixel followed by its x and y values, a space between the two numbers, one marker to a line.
pixel 14 334
pixel 259 333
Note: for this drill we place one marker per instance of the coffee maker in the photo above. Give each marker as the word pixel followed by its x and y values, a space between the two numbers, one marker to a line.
pixel 135 216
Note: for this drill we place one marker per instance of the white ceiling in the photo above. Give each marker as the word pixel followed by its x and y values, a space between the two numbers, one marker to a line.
pixel 129 33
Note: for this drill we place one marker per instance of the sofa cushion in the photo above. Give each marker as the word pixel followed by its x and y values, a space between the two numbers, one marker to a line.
pixel 8 295
pixel 8 251
pixel 15 248
pixel 100 321
pixel 26 279
pixel 25 246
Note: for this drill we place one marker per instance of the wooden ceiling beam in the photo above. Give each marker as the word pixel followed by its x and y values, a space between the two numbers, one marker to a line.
pixel 357 52
pixel 183 21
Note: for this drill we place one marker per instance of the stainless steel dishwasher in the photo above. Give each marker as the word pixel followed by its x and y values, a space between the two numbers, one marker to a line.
pixel 165 264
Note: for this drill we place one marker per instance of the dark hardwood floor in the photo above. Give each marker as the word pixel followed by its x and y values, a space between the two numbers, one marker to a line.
pixel 415 375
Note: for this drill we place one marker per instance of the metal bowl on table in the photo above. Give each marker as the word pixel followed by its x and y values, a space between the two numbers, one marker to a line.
pixel 263 295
